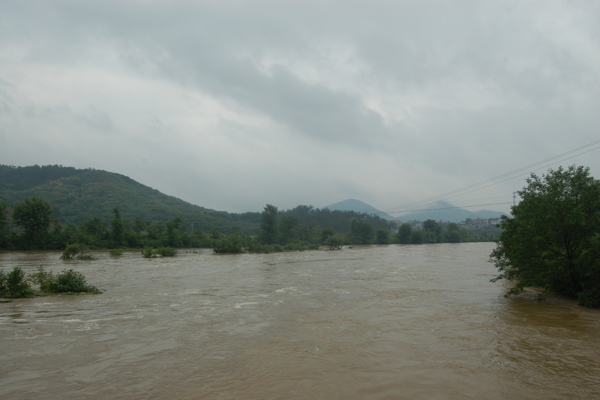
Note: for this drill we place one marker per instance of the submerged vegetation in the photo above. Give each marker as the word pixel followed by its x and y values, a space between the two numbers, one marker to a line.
pixel 150 252
pixel 16 285
pixel 68 281
pixel 76 251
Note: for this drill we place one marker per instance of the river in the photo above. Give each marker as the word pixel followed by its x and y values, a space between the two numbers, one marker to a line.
pixel 369 322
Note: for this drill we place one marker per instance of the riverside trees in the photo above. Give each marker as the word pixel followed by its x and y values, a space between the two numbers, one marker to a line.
pixel 553 240
pixel 300 228
pixel 34 216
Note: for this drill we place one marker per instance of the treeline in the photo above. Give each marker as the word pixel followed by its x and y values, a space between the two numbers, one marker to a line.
pixel 448 232
pixel 30 225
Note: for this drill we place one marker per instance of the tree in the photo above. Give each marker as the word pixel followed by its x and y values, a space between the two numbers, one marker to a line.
pixel 334 242
pixel 553 240
pixel 361 231
pixel 118 229
pixel 404 233
pixel 381 236
pixel 3 223
pixel 34 216
pixel 453 234
pixel 268 225
pixel 432 231
pixel 289 228
pixel 416 237
pixel 326 233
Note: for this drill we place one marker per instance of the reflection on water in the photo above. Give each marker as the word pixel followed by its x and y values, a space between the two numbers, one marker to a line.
pixel 381 322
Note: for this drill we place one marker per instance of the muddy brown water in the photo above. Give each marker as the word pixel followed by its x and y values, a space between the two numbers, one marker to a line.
pixel 372 322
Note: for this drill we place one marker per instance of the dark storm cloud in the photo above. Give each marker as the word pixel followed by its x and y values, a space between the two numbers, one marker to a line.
pixel 395 100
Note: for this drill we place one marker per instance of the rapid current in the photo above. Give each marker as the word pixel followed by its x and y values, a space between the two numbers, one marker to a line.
pixel 369 322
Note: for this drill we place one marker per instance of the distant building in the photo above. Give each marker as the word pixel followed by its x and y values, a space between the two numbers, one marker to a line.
pixel 479 223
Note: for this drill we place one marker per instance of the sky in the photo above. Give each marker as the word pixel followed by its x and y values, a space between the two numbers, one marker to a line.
pixel 232 105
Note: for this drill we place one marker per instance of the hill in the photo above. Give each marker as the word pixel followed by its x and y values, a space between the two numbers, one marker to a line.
pixel 359 207
pixel 444 211
pixel 439 211
pixel 78 194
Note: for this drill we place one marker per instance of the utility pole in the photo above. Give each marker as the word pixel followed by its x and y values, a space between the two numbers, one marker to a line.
pixel 514 199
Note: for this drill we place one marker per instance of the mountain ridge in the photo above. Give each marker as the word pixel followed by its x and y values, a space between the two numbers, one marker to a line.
pixel 358 206
pixel 439 211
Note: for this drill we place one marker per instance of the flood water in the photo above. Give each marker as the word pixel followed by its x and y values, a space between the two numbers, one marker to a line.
pixel 370 322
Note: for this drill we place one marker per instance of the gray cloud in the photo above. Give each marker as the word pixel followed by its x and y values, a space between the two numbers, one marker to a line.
pixel 231 105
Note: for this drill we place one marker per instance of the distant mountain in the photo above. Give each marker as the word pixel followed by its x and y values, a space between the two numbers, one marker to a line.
pixel 78 194
pixel 444 211
pixel 359 207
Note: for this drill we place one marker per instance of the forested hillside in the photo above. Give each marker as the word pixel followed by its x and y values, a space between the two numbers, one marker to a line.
pixel 51 207
pixel 76 195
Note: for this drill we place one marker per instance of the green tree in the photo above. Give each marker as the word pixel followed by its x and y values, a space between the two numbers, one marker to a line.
pixel 326 233
pixel 3 223
pixel 432 231
pixel 117 233
pixel 334 242
pixel 416 237
pixel 289 229
pixel 361 232
pixel 268 225
pixel 382 236
pixel 552 241
pixel 34 216
pixel 404 233
pixel 453 233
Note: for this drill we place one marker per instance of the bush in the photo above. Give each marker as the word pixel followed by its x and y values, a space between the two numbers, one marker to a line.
pixel 42 278
pixel 295 247
pixel 116 252
pixel 166 251
pixel 68 281
pixel 14 284
pixel 229 245
pixel 76 251
pixel 335 242
pixel 149 252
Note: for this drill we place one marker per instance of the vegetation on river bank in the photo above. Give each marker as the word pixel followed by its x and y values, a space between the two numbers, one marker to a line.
pixel 553 240
pixel 30 225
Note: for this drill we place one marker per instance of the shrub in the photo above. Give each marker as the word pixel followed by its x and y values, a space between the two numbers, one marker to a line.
pixel 14 284
pixel 295 247
pixel 68 281
pixel 148 252
pixel 76 251
pixel 116 252
pixel 334 242
pixel 230 245
pixel 166 251
pixel 42 278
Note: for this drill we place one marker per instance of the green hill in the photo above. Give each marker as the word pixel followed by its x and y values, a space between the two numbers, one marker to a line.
pixel 359 207
pixel 78 194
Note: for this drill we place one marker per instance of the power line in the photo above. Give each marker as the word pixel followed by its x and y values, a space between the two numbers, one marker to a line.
pixel 448 208
pixel 496 180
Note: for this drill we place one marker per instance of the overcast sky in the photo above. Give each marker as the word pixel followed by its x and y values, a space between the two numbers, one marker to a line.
pixel 235 104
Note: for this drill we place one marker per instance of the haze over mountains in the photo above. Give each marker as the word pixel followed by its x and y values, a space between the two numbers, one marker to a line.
pixel 77 194
pixel 438 211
